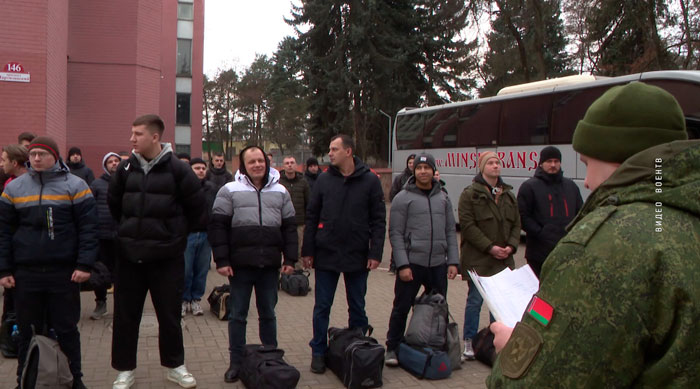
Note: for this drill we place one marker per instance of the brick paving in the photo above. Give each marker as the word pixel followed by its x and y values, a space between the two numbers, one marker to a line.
pixel 206 340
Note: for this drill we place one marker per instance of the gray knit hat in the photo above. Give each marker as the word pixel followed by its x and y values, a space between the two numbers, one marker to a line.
pixel 426 159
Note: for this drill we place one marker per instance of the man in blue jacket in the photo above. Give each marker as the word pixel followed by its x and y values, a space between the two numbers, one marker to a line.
pixel 344 233
pixel 48 244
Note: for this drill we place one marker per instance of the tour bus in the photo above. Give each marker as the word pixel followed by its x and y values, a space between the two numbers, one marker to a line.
pixel 518 123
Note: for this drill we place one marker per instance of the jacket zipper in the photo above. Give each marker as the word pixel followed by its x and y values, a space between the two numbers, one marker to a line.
pixel 430 252
pixel 143 199
pixel 551 206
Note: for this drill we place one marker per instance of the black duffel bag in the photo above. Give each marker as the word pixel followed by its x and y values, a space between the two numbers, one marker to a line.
pixel 356 359
pixel 295 284
pixel 218 301
pixel 263 367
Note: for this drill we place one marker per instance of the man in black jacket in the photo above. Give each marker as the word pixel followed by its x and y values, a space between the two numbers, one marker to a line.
pixel 344 233
pixel 107 229
pixel 311 172
pixel 547 202
pixel 156 198
pixel 217 172
pixel 77 165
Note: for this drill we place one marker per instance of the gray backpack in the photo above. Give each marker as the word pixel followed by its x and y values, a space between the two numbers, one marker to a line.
pixel 428 323
pixel 46 367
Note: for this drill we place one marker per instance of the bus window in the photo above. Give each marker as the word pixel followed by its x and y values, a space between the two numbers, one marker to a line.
pixel 441 129
pixel 409 131
pixel 568 108
pixel 478 124
pixel 525 121
pixel 688 96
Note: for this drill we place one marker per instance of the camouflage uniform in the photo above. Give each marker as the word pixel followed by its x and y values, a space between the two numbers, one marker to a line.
pixel 624 294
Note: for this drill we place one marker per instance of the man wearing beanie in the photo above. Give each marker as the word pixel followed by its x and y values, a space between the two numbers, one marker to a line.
pixel 619 298
pixel 47 247
pixel 490 228
pixel 547 203
pixel 156 198
pixel 311 173
pixel 432 255
pixel 77 166
pixel 106 232
pixel 401 180
pixel 198 251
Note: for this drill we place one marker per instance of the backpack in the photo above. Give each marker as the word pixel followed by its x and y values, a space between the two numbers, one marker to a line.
pixel 9 340
pixel 45 366
pixel 263 367
pixel 424 362
pixel 484 350
pixel 428 324
pixel 356 359
pixel 296 284
pixel 218 301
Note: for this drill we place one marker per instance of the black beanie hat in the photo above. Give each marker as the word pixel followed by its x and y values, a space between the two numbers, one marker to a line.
pixel 426 159
pixel 312 161
pixel 45 143
pixel 197 160
pixel 74 150
pixel 549 152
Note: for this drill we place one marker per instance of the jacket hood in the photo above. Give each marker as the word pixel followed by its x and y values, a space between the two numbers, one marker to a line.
pixel 480 180
pixel 74 166
pixel 546 177
pixel 166 149
pixel 273 177
pixel 360 168
pixel 105 158
pixel 312 175
pixel 668 174
pixel 58 167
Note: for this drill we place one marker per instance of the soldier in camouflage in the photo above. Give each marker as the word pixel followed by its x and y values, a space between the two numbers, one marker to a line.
pixel 618 300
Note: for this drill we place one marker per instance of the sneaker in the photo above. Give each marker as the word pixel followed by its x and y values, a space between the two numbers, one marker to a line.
pixel 468 354
pixel 182 377
pixel 100 310
pixel 124 380
pixel 185 308
pixel 318 364
pixel 196 308
pixel 390 358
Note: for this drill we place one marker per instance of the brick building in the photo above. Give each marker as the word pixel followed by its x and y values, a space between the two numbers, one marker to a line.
pixel 82 70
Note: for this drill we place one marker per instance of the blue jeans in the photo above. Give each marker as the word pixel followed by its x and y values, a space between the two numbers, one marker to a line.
pixel 355 290
pixel 197 258
pixel 473 311
pixel 242 283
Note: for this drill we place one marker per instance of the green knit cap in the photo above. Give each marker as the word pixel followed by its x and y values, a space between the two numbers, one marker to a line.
pixel 628 119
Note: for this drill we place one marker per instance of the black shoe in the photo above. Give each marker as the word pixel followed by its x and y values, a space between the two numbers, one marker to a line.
pixel 318 364
pixel 78 384
pixel 231 374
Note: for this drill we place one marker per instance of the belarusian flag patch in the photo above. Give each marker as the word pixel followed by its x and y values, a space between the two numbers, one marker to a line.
pixel 540 310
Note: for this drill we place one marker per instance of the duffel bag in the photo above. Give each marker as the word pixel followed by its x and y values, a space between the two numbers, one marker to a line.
pixel 9 337
pixel 484 350
pixel 218 301
pixel 356 359
pixel 428 323
pixel 295 284
pixel 263 367
pixel 424 362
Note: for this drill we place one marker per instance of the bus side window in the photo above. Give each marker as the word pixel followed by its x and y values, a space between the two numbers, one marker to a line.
pixel 568 108
pixel 525 121
pixel 441 129
pixel 688 96
pixel 409 131
pixel 478 124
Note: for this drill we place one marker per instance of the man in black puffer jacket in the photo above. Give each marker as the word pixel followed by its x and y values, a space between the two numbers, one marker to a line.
pixel 547 202
pixel 77 165
pixel 217 173
pixel 156 198
pixel 344 233
pixel 107 229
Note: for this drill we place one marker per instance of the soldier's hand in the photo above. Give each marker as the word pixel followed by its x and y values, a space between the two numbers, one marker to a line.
pixel 7 282
pixel 372 264
pixel 452 272
pixel 80 276
pixel 501 334
pixel 307 262
pixel 406 274
pixel 286 269
pixel 226 271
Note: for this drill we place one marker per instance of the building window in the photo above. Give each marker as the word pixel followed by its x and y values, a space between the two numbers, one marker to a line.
pixel 182 115
pixel 182 148
pixel 185 11
pixel 184 57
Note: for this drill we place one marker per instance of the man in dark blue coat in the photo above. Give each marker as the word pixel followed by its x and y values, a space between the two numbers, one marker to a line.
pixel 344 233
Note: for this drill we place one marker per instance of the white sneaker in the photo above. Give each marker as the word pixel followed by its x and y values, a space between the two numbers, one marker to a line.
pixel 196 308
pixel 125 379
pixel 185 308
pixel 468 354
pixel 182 377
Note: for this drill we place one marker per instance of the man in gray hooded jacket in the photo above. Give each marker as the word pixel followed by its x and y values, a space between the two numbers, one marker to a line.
pixel 424 256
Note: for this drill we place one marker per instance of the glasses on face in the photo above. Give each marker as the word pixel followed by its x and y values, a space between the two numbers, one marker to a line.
pixel 40 154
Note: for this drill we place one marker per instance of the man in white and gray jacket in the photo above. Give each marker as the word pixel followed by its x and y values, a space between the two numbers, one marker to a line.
pixel 423 238
pixel 251 225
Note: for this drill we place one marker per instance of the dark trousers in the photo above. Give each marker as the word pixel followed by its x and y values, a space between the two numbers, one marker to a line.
pixel 8 303
pixel 355 291
pixel 48 300
pixel 106 255
pixel 164 279
pixel 431 278
pixel 265 282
